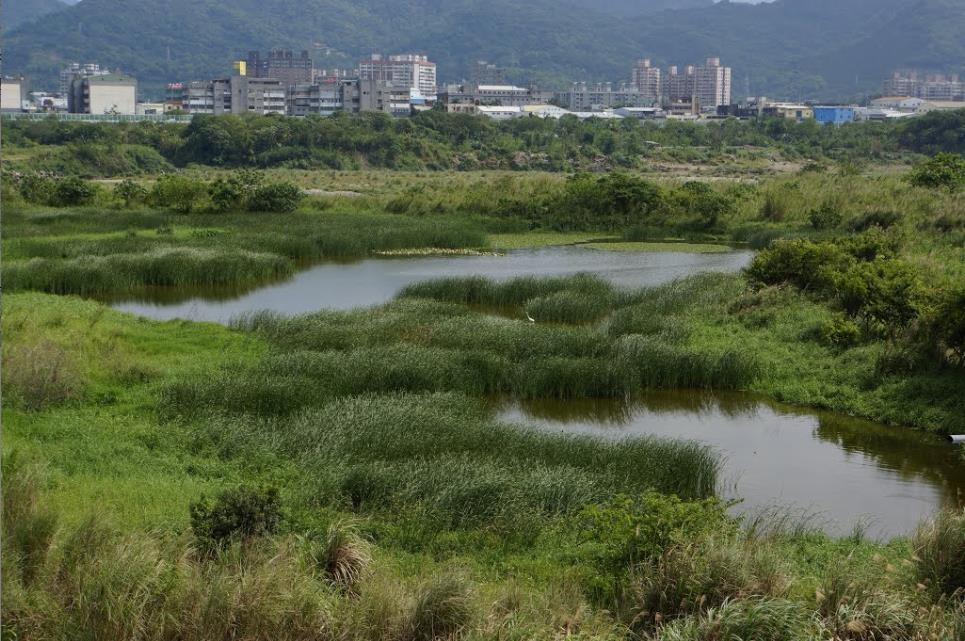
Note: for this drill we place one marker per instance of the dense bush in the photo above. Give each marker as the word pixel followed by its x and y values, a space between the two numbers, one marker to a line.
pixel 942 170
pixel 180 193
pixel 241 512
pixel 57 192
pixel 130 193
pixel 275 197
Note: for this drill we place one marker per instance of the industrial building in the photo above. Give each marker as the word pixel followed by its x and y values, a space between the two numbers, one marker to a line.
pixel 833 115
pixel 112 93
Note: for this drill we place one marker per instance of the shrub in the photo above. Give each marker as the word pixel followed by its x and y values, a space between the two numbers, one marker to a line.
pixel 886 292
pixel 277 198
pixel 39 376
pixel 827 216
pixel 180 193
pixel 840 332
pixel 233 193
pixel 881 218
pixel 241 512
pixel 941 170
pixel 708 204
pixel 775 206
pixel 623 532
pixel 948 325
pixel 939 559
pixel 442 608
pixel 803 263
pixel 130 192
pixel 72 191
pixel 36 189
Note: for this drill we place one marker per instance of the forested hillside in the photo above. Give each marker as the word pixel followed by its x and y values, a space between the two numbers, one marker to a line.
pixel 14 13
pixel 790 48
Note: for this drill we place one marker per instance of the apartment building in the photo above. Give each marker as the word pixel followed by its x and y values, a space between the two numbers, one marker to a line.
pixel 709 85
pixel 584 97
pixel 484 73
pixel 916 84
pixel 237 95
pixel 415 72
pixel 281 64
pixel 646 78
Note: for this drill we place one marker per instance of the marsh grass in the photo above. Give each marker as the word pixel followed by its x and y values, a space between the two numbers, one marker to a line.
pixel 128 273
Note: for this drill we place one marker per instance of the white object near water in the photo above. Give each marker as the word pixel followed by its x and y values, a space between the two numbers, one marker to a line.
pixel 956 438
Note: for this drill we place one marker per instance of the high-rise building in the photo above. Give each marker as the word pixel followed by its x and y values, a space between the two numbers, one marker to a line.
pixel 646 78
pixel 712 84
pixel 678 86
pixel 708 85
pixel 282 65
pixel 412 71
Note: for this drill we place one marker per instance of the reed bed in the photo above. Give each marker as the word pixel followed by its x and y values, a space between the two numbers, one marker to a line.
pixel 128 273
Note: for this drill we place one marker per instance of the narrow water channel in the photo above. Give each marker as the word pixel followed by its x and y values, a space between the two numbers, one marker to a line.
pixel 374 281
pixel 837 470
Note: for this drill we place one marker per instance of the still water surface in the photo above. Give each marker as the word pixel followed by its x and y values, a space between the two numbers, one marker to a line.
pixel 375 281
pixel 839 470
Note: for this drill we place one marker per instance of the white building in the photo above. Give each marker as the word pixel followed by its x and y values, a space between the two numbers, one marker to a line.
pixel 499 112
pixel 899 103
pixel 544 111
pixel 414 71
pixel 103 94
pixel 11 94
pixel 712 84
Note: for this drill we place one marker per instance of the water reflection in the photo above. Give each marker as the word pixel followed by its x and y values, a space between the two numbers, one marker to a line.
pixel 375 281
pixel 845 470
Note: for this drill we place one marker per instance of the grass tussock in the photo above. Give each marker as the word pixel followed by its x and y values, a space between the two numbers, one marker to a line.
pixel 40 375
pixel 940 554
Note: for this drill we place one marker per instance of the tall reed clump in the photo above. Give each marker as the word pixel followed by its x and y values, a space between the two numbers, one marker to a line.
pixel 514 292
pixel 126 273
pixel 939 559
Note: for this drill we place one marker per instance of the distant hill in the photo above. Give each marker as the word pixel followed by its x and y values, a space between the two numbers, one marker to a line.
pixel 790 48
pixel 14 13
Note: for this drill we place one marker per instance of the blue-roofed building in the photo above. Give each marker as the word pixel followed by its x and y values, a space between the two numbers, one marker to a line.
pixel 834 115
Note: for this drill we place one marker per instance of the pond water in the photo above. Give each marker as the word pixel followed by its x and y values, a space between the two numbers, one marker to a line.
pixel 374 281
pixel 838 470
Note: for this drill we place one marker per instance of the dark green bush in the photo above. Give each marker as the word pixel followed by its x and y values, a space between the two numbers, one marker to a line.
pixel 941 170
pixel 241 512
pixel 882 218
pixel 130 192
pixel 276 198
pixel 827 216
pixel 180 193
pixel 803 263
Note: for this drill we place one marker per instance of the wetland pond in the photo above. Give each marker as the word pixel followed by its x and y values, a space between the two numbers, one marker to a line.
pixel 377 280
pixel 840 470
pixel 836 470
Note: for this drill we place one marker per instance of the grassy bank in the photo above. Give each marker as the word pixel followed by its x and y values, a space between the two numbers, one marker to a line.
pixel 402 514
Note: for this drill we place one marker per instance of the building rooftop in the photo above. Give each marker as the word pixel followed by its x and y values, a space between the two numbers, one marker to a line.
pixel 500 88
